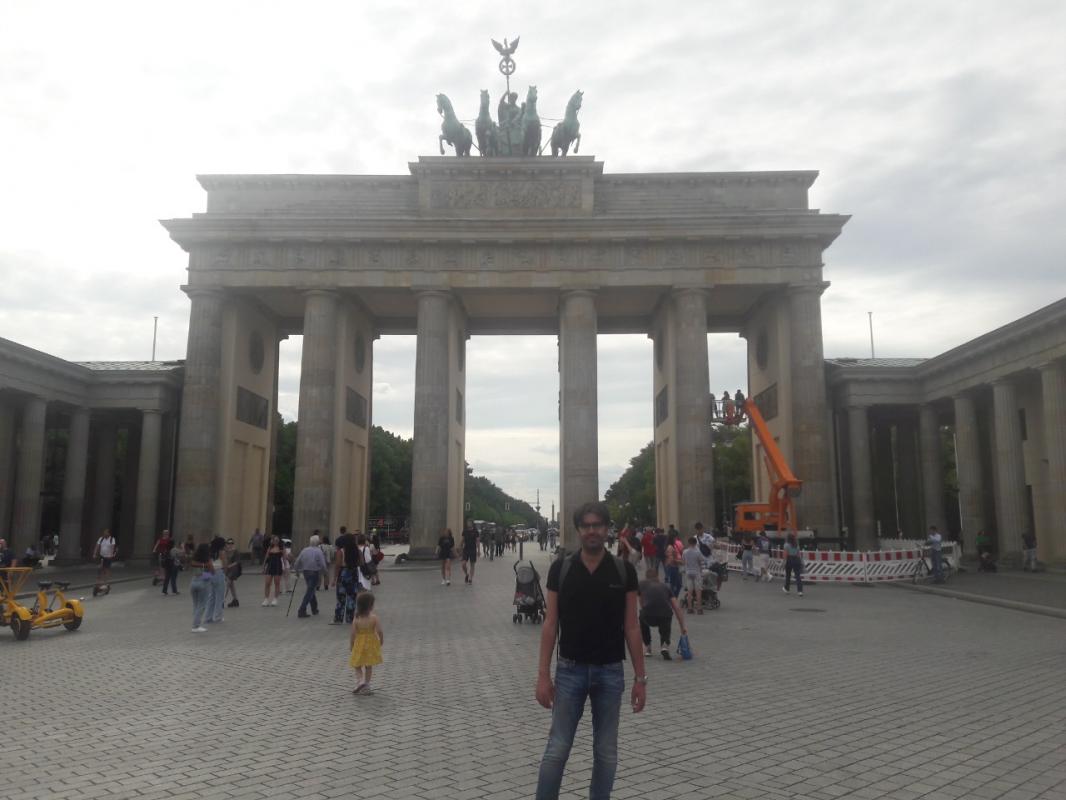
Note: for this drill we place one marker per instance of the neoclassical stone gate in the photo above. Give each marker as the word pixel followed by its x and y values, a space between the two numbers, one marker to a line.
pixel 490 246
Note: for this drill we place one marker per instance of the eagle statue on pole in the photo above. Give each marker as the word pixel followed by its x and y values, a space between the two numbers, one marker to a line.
pixel 506 50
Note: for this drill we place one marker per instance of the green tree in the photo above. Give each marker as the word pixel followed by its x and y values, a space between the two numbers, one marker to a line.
pixel 631 498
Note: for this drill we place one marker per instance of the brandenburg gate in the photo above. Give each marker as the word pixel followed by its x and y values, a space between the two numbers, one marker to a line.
pixel 494 245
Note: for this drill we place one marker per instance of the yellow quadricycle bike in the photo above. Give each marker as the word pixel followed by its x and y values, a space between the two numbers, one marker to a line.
pixel 50 608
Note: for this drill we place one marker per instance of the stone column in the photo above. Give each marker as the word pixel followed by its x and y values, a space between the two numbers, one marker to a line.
pixel 26 525
pixel 863 533
pixel 908 479
pixel 312 494
pixel 695 471
pixel 104 480
pixel 7 466
pixel 144 525
pixel 811 454
pixel 429 459
pixel 578 425
pixel 72 510
pixel 968 467
pixel 1012 517
pixel 198 440
pixel 275 427
pixel 1053 389
pixel 932 467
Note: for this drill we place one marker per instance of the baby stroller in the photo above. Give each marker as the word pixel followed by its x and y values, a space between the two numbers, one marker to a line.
pixel 708 590
pixel 528 597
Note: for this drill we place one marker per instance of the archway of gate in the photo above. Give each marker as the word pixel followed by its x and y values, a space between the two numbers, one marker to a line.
pixel 490 246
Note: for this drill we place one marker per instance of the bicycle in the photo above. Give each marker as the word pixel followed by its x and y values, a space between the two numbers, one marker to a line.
pixel 923 568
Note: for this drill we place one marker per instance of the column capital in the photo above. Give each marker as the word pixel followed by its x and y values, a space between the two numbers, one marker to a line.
pixel 681 291
pixel 203 291
pixel 582 291
pixel 148 411
pixel 807 288
pixel 1049 366
pixel 326 292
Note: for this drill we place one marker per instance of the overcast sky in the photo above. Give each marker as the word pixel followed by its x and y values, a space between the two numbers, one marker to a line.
pixel 941 127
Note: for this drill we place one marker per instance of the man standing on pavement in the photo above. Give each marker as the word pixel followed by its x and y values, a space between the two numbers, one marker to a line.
pixel 346 579
pixel 592 605
pixel 312 563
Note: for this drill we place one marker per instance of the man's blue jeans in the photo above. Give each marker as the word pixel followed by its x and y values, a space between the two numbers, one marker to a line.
pixel 311 584
pixel 937 557
pixel 574 682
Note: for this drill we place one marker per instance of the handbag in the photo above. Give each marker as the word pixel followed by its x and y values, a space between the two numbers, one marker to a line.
pixel 683 648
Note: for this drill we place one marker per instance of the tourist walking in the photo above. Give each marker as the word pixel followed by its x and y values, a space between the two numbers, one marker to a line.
pixel 672 569
pixel 936 553
pixel 488 549
pixel 329 552
pixel 365 566
pixel 592 606
pixel 658 607
pixel 365 642
pixel 159 553
pixel 171 565
pixel 105 550
pixel 762 546
pixel 256 545
pixel 234 570
pixel 793 565
pixel 446 552
pixel 345 579
pixel 200 589
pixel 647 549
pixel 311 563
pixel 498 537
pixel 469 537
pixel 694 563
pixel 217 597
pixel 1029 551
pixel 272 570
pixel 747 556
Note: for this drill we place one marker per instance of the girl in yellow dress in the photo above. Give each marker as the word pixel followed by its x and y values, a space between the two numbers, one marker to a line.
pixel 365 642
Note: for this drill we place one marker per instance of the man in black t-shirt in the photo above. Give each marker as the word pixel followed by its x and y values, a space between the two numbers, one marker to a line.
pixel 346 579
pixel 470 542
pixel 592 605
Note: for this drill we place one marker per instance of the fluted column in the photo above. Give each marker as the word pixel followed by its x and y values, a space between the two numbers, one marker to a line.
pixel 1012 518
pixel 1052 543
pixel 147 483
pixel 811 450
pixel 197 480
pixel 862 495
pixel 695 472
pixel 968 467
pixel 104 479
pixel 73 504
pixel 315 427
pixel 26 525
pixel 429 459
pixel 932 466
pixel 578 422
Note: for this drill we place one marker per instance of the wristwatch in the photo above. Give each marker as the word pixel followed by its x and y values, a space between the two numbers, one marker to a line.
pixel 640 678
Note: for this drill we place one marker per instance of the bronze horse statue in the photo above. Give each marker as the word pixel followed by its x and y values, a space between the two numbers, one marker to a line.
pixel 488 132
pixel 530 124
pixel 452 130
pixel 569 130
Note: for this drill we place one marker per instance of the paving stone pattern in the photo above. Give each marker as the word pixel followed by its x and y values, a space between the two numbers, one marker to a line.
pixel 881 694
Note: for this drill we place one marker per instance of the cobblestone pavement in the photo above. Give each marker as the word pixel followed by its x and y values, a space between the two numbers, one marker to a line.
pixel 848 692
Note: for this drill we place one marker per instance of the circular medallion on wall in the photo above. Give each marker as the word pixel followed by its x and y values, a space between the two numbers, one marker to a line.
pixel 762 349
pixel 360 353
pixel 256 352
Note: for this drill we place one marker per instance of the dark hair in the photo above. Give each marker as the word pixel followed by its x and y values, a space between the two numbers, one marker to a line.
pixel 792 538
pixel 325 539
pixel 597 508
pixel 344 529
pixel 202 554
pixel 360 539
pixel 364 603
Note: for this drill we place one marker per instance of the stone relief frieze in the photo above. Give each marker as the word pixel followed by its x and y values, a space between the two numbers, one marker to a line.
pixel 514 194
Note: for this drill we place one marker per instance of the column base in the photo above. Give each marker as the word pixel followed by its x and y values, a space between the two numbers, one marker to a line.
pixel 422 553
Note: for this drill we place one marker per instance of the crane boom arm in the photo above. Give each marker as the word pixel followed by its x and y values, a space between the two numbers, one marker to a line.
pixel 785 485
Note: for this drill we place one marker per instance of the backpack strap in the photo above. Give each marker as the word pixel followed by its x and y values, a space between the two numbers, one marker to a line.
pixel 564 570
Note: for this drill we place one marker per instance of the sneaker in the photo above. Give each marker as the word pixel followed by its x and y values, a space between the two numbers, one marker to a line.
pixel 647 651
pixel 274 602
pixel 799 594
pixel 314 611
pixel 233 604
pixel 265 602
pixel 666 654
pixel 302 614
pixel 448 583
pixel 444 583
pixel 785 590
pixel 201 629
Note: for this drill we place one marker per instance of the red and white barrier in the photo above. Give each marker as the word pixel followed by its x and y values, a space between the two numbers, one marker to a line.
pixel 839 566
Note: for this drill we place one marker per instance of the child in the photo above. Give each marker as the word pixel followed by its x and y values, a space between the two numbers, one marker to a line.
pixel 365 641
